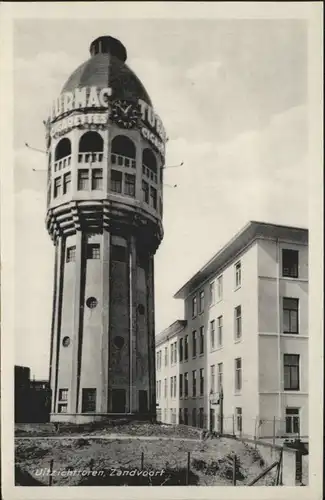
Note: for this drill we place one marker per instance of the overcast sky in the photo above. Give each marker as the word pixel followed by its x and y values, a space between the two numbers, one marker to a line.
pixel 232 95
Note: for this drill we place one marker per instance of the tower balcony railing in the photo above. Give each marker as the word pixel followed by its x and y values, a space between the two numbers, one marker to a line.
pixel 62 163
pixel 147 172
pixel 91 157
pixel 122 161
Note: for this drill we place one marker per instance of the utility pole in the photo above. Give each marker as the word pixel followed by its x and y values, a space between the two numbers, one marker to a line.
pixel 221 411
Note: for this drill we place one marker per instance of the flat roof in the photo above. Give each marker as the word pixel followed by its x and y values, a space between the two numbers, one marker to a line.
pixel 253 230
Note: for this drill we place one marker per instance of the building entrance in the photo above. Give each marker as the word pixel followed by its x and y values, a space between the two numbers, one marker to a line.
pixel 118 400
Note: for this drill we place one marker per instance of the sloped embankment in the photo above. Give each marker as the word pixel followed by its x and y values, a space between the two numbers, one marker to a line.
pixel 156 454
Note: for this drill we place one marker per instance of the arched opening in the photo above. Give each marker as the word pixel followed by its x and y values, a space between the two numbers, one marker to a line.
pixel 91 142
pixel 149 165
pixel 63 149
pixel 123 151
pixel 149 160
pixel 91 146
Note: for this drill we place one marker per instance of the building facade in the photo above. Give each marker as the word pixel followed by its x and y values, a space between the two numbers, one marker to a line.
pixel 105 147
pixel 246 316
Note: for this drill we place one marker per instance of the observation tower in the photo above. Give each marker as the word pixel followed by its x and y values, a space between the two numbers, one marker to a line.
pixel 105 151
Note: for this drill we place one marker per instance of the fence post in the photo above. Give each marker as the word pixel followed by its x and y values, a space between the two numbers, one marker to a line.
pixel 234 469
pixel 188 467
pixel 142 460
pixel 51 471
pixel 273 440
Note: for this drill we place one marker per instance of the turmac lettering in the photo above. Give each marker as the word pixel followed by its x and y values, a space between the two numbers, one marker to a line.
pixel 152 120
pixel 82 98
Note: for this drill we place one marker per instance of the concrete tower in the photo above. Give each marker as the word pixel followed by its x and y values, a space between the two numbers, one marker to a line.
pixel 106 150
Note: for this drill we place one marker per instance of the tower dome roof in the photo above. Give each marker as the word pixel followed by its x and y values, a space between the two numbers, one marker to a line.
pixel 106 68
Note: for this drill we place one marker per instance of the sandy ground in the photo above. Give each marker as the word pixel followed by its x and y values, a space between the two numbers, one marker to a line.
pixel 210 459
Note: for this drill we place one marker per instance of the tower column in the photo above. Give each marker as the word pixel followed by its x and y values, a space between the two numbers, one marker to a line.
pixel 75 340
pixel 104 373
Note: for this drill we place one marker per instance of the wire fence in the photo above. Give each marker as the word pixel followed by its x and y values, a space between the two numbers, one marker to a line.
pixel 149 468
pixel 273 430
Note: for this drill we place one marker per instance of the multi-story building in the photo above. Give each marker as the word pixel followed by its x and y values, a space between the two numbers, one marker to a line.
pixel 245 331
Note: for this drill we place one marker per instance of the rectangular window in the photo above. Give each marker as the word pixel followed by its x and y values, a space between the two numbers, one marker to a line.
pixel 180 350
pixel 194 417
pixel 186 384
pixel 88 400
pixel 63 394
pixel 153 196
pixel 201 381
pixel 212 293
pixel 181 385
pixel 145 192
pixel 202 340
pixel 83 179
pixel 175 386
pixel 97 178
pixel 172 354
pixel 194 307
pixel 186 348
pixel 66 183
pixel 116 181
pixel 220 287
pixel 166 356
pixel 291 372
pixel 93 251
pixel 129 185
pixel 238 374
pixel 220 332
pixel 171 386
pixel 292 421
pixel 220 376
pixel 237 274
pixel 290 263
pixel 165 388
pixel 212 379
pixel 201 418
pixel 185 416
pixel 194 344
pixel 239 419
pixel 238 322
pixel 201 302
pixel 71 254
pixel 290 315
pixel 194 383
pixel 212 334
pixel 57 187
pixel 62 408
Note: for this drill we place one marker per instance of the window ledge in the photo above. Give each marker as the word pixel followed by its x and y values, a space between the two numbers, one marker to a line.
pixel 237 288
pixel 237 393
pixel 238 341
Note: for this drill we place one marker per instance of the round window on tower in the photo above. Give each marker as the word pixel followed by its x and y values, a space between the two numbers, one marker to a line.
pixel 118 342
pixel 66 341
pixel 91 302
